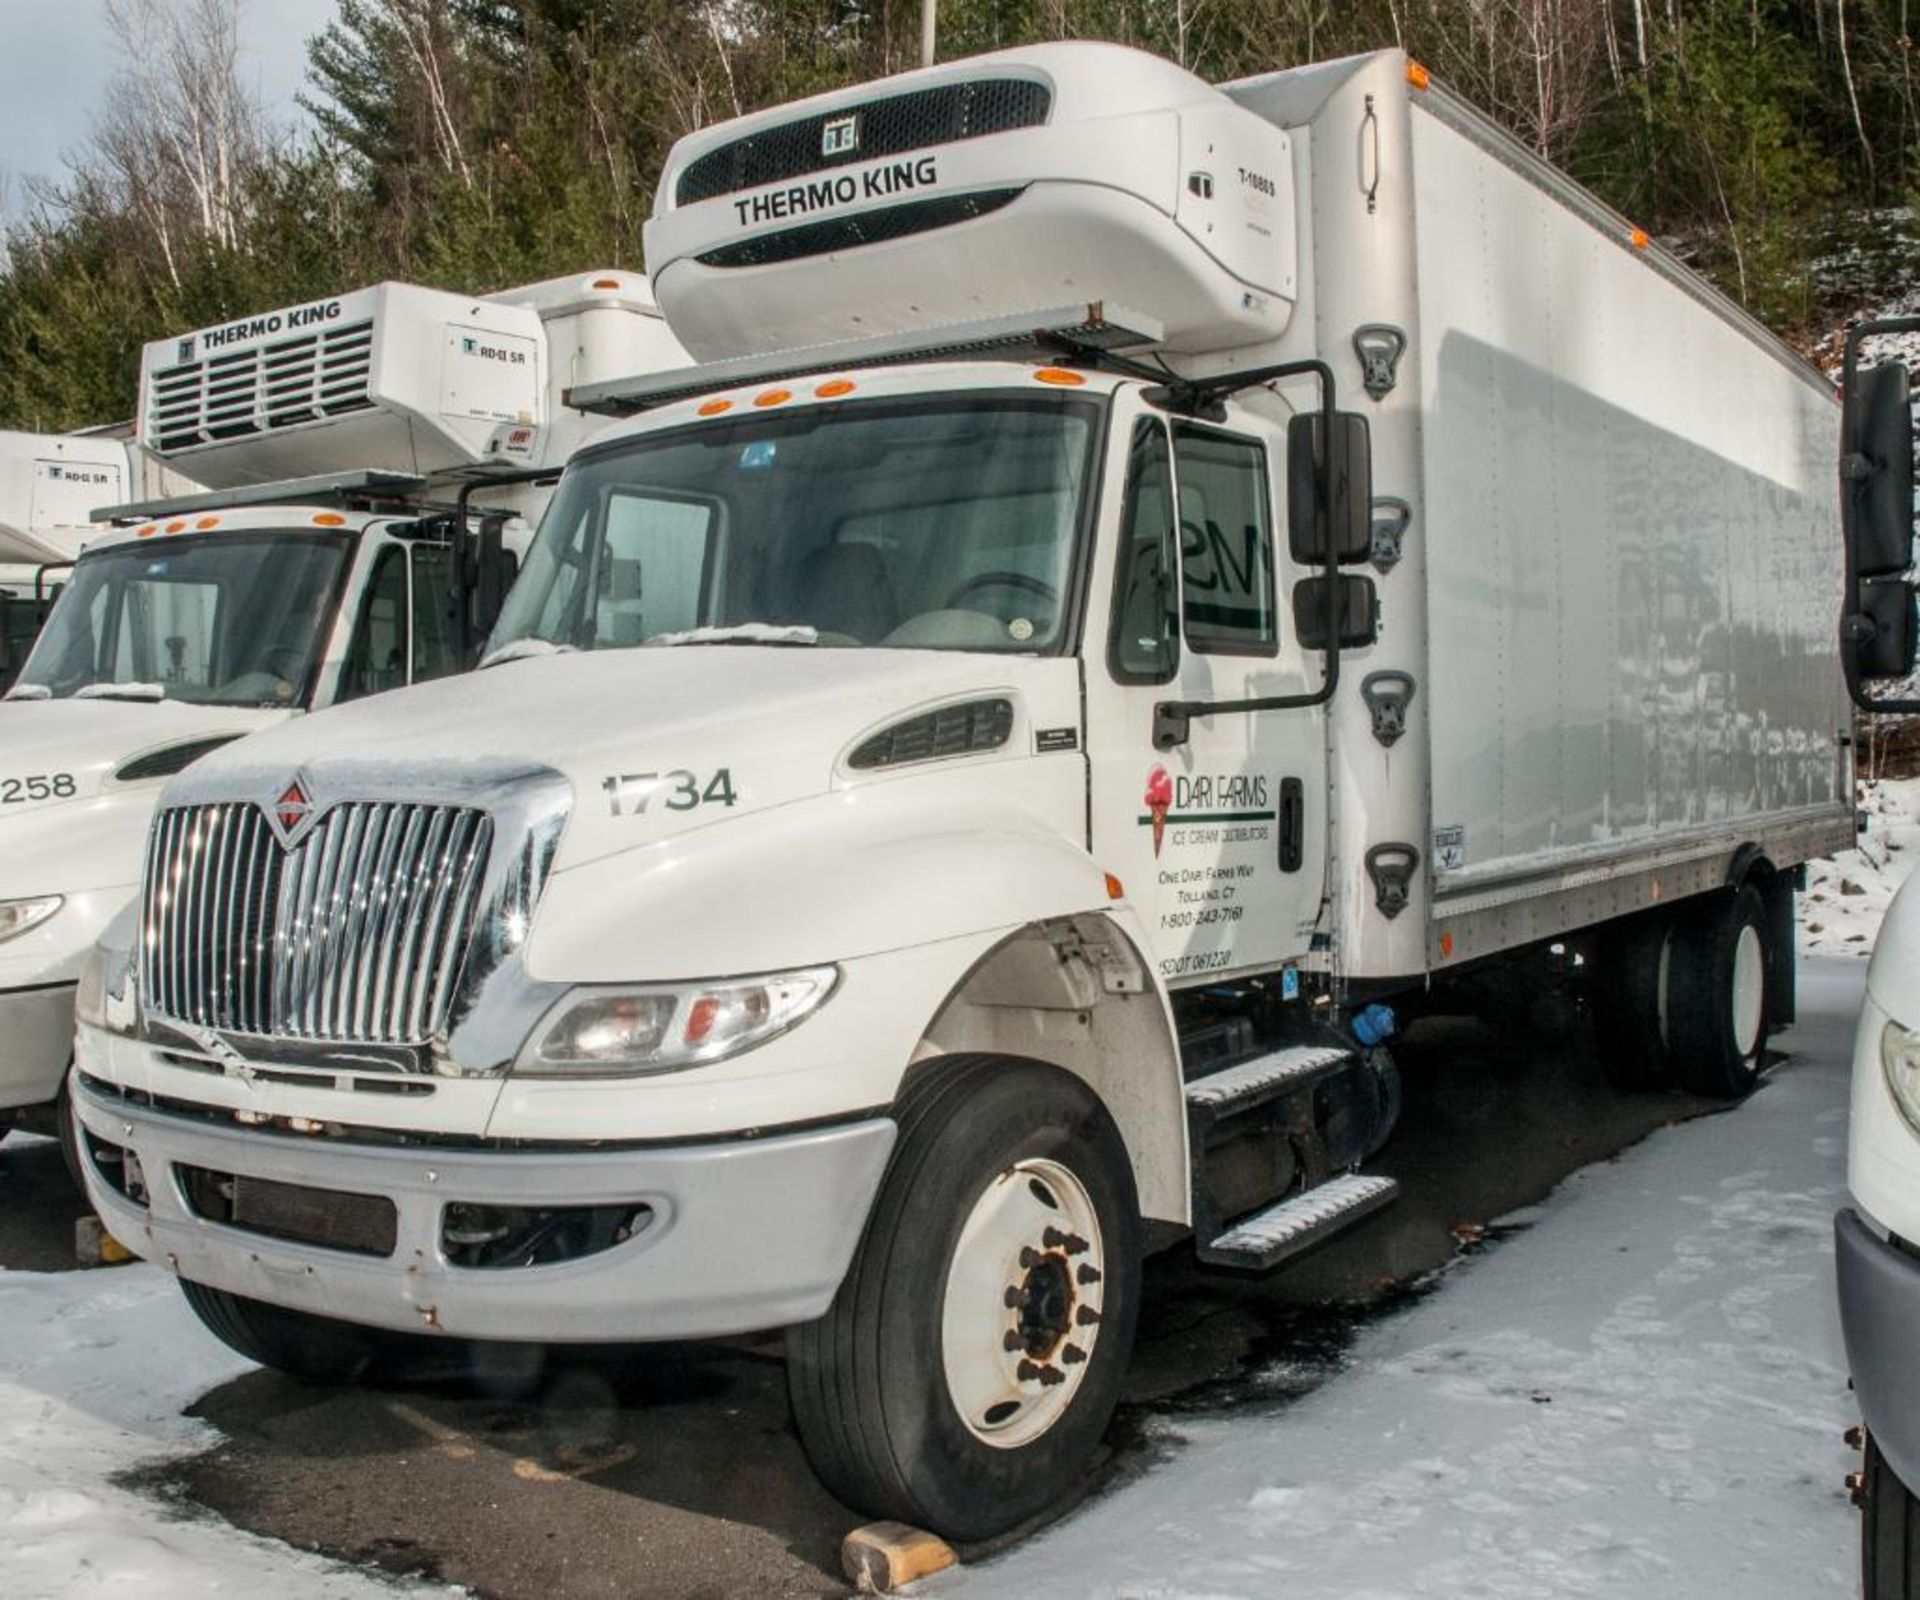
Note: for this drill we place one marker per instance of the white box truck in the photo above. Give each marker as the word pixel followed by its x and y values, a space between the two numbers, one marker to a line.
pixel 1877 1236
pixel 191 621
pixel 959 779
pixel 50 485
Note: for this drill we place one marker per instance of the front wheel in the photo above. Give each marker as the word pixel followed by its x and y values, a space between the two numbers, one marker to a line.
pixel 313 1349
pixel 1889 1534
pixel 964 1375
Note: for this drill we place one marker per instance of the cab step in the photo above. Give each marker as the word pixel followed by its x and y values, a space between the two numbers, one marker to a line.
pixel 1300 1223
pixel 1222 1094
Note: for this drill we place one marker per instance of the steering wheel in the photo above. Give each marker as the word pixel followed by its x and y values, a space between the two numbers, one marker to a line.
pixel 289 655
pixel 1003 580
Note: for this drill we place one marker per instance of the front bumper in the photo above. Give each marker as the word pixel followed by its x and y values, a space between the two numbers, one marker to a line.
pixel 748 1234
pixel 36 1043
pixel 1879 1310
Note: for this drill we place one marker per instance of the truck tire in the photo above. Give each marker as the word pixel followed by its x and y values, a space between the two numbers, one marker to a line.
pixel 313 1349
pixel 1717 1013
pixel 968 1366
pixel 1889 1534
pixel 1629 998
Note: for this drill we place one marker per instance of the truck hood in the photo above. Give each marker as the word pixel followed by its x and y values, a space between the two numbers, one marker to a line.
pixel 653 742
pixel 66 823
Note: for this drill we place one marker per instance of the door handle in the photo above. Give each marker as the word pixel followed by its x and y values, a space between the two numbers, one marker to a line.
pixel 1293 824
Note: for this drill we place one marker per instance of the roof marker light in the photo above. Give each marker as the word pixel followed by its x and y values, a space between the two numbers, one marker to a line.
pixel 773 397
pixel 1638 239
pixel 834 389
pixel 328 519
pixel 1061 376
pixel 1418 75
pixel 148 531
pixel 606 283
pixel 713 408
pixel 205 523
pixel 176 527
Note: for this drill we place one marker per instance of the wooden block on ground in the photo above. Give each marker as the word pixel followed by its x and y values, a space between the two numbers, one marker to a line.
pixel 93 1246
pixel 882 1556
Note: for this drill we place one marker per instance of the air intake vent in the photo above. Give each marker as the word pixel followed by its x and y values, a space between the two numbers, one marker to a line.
pixel 175 758
pixel 962 730
pixel 254 390
pixel 889 127
pixel 869 227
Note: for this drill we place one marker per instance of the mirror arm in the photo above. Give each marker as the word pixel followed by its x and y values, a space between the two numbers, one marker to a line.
pixel 1172 718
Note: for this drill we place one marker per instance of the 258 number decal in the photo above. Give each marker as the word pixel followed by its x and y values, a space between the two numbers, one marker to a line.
pixel 52 786
pixel 630 793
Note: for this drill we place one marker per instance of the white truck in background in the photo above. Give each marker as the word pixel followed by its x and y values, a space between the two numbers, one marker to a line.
pixel 1877 1237
pixel 1144 574
pixel 50 485
pixel 341 445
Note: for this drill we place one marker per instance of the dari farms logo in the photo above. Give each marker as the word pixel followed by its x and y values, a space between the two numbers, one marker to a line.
pixel 292 813
pixel 1158 801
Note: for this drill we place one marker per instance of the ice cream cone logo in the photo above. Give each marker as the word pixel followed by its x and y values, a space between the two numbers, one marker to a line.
pixel 1159 798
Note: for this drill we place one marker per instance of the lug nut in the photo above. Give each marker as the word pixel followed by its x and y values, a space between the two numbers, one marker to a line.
pixel 1011 1299
pixel 1086 1316
pixel 1086 1273
pixel 1857 1487
pixel 1030 1257
pixel 1012 1341
pixel 1072 1243
pixel 1072 1356
pixel 1855 1438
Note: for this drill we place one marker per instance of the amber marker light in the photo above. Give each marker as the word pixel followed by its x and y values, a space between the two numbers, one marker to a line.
pixel 1115 890
pixel 328 519
pixel 148 531
pixel 833 390
pixel 176 527
pixel 773 397
pixel 1446 944
pixel 606 283
pixel 1060 376
pixel 713 408
pixel 1638 239
pixel 206 523
pixel 1418 75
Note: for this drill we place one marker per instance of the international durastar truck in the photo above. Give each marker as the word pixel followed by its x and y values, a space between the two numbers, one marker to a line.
pixel 1877 1236
pixel 50 484
pixel 341 444
pixel 1143 574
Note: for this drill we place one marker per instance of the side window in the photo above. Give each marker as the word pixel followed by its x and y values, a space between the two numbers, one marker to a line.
pixel 434 654
pixel 653 573
pixel 1226 544
pixel 377 656
pixel 1145 647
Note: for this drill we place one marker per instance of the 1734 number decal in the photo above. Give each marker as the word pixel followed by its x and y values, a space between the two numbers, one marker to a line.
pixel 48 786
pixel 630 793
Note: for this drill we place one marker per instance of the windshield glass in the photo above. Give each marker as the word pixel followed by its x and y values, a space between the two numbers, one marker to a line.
pixel 236 619
pixel 944 525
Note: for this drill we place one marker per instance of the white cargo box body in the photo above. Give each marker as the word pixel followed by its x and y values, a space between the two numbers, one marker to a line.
pixel 1620 581
pixel 395 376
pixel 1044 177
pixel 49 484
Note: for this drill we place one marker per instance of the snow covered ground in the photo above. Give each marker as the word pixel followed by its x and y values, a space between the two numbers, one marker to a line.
pixel 1846 897
pixel 1642 1393
pixel 95 1371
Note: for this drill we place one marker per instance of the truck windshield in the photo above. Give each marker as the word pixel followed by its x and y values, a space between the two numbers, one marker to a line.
pixel 945 525
pixel 236 619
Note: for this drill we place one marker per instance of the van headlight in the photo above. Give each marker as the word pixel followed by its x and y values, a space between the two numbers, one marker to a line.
pixel 16 916
pixel 647 1028
pixel 1900 1062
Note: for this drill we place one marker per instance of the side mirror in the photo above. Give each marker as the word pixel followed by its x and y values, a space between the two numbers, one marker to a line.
pixel 1877 464
pixel 1885 638
pixel 1358 613
pixel 1343 528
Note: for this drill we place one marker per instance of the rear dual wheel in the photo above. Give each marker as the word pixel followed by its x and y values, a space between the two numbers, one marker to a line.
pixel 964 1375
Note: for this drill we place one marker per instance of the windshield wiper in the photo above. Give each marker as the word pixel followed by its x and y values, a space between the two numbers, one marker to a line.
pixel 151 693
pixel 29 691
pixel 741 633
pixel 523 649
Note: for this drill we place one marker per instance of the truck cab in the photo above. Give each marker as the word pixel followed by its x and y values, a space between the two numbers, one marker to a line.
pixel 962 766
pixel 423 429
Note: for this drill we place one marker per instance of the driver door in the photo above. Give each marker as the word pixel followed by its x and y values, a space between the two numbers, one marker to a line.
pixel 1221 841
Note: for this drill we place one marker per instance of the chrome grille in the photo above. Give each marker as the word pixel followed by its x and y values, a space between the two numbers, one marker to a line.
pixel 356 934
pixel 242 393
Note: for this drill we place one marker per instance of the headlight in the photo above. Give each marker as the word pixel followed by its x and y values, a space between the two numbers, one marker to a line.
pixel 16 916
pixel 1900 1061
pixel 665 1027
